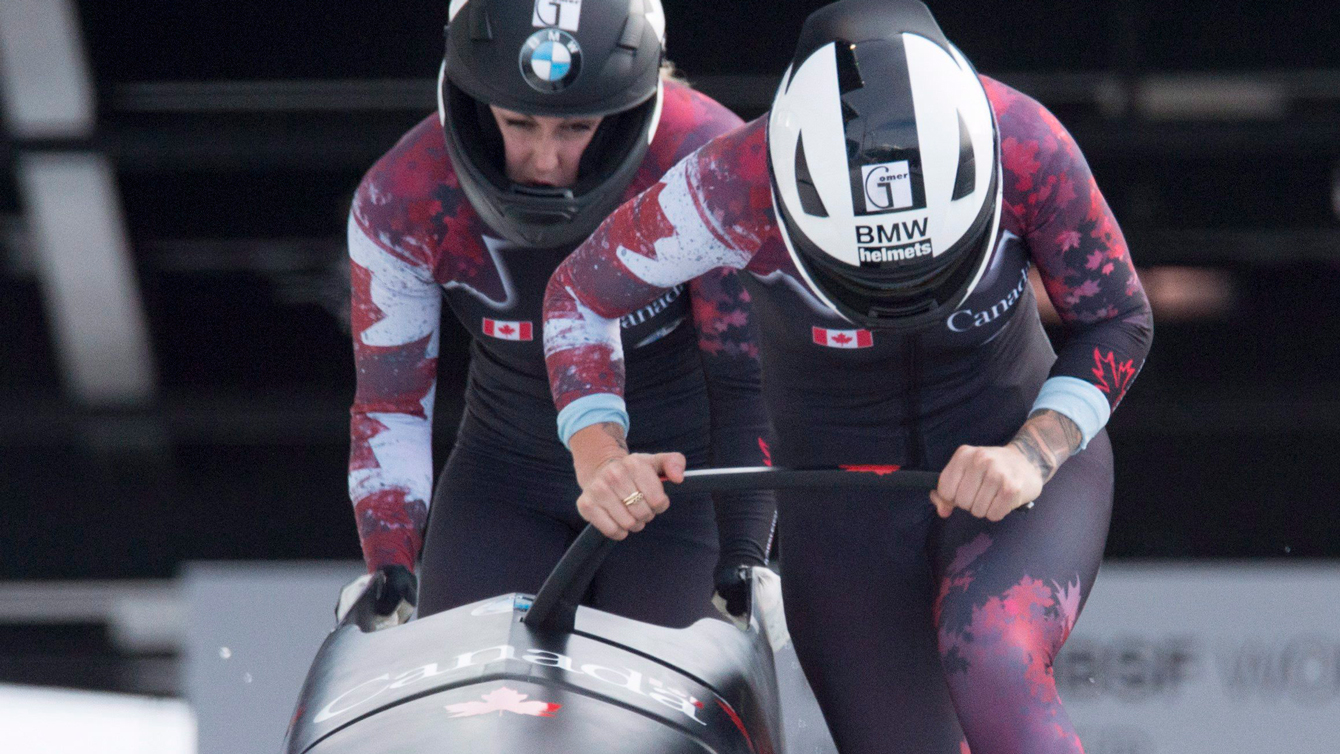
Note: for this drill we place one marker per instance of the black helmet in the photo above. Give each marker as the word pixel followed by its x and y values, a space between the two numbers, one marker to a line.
pixel 558 58
pixel 884 156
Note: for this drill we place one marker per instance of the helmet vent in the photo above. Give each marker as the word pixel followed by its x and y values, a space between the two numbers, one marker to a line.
pixel 810 201
pixel 848 70
pixel 633 27
pixel 965 182
pixel 481 29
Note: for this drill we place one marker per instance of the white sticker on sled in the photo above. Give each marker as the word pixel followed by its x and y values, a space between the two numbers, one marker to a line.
pixel 768 601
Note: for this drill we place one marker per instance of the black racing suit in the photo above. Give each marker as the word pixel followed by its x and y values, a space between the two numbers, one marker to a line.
pixel 503 511
pixel 918 634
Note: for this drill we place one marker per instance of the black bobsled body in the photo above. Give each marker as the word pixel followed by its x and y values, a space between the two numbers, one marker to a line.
pixel 479 680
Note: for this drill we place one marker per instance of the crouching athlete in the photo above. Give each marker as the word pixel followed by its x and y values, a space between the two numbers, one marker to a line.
pixel 550 117
pixel 889 207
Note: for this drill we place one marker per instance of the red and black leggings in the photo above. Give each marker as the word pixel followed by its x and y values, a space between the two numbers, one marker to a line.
pixel 931 636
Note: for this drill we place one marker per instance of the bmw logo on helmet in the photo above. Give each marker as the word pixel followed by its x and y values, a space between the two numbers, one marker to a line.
pixel 551 60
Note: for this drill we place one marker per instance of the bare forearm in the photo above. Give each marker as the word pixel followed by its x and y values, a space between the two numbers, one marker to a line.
pixel 595 445
pixel 1047 439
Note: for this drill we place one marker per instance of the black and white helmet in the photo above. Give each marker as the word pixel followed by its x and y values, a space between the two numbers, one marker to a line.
pixel 557 58
pixel 885 163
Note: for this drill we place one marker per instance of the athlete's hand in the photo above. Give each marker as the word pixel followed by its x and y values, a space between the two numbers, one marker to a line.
pixel 609 489
pixel 609 476
pixel 395 592
pixel 987 482
pixel 733 595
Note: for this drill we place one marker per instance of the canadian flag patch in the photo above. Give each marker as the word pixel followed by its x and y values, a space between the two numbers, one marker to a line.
pixel 842 338
pixel 496 328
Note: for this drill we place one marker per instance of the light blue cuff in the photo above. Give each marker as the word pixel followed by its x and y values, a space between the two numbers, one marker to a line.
pixel 1078 401
pixel 591 409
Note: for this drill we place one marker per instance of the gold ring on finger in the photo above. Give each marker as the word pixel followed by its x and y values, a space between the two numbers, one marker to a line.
pixel 634 499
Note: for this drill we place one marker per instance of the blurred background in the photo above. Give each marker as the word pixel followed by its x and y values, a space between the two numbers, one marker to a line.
pixel 175 365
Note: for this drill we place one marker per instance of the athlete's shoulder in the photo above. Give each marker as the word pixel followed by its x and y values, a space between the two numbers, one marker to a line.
pixel 1040 158
pixel 689 119
pixel 728 179
pixel 1027 128
pixel 1023 118
pixel 415 167
pixel 410 200
pixel 739 157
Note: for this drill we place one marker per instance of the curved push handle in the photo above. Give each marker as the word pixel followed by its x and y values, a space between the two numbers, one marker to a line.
pixel 555 606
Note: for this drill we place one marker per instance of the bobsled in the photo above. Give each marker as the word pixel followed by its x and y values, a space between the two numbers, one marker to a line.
pixel 521 673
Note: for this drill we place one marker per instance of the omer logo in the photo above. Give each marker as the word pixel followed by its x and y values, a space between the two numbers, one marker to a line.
pixel 565 14
pixel 888 185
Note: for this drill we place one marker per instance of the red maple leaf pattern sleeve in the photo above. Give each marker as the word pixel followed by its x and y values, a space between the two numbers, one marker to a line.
pixel 728 344
pixel 686 224
pixel 395 312
pixel 1077 246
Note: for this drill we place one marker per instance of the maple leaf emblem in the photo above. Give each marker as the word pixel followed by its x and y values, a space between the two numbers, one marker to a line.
pixel 506 329
pixel 842 338
pixel 1084 290
pixel 500 701
pixel 1112 377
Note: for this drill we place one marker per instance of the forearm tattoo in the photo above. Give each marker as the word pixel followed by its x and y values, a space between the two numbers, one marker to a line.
pixel 1047 439
pixel 616 431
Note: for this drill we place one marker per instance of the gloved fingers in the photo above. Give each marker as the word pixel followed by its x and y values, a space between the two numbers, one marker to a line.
pixel 395 584
pixel 395 592
pixel 400 615
pixel 734 585
pixel 741 621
